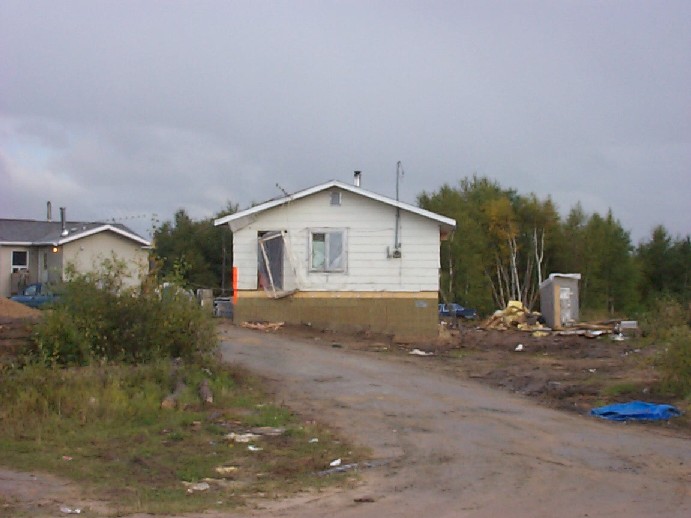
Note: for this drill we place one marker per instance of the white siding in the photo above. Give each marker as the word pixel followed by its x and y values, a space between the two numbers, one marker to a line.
pixel 370 228
pixel 88 253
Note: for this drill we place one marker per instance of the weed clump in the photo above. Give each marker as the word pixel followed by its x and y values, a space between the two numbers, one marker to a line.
pixel 104 427
pixel 667 325
pixel 98 319
pixel 676 362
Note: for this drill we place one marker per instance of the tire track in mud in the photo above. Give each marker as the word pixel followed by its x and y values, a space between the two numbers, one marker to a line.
pixel 460 449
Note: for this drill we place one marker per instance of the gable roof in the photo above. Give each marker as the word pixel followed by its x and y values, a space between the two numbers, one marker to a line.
pixel 27 232
pixel 243 218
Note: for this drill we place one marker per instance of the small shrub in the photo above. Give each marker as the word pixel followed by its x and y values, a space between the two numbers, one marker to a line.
pixel 664 315
pixel 675 363
pixel 99 320
pixel 666 325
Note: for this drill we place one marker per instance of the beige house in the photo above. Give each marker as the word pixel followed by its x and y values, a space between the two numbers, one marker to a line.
pixel 340 257
pixel 39 251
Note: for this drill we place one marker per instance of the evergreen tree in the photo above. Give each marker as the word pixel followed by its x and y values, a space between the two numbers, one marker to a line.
pixel 609 272
pixel 665 265
pixel 195 250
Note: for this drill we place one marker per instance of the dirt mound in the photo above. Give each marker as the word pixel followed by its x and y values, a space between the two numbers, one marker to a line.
pixel 16 325
pixel 10 310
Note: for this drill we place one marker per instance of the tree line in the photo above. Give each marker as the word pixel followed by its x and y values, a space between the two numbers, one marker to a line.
pixel 505 244
pixel 195 253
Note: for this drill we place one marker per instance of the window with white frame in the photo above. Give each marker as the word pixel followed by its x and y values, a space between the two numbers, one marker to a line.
pixel 328 250
pixel 20 260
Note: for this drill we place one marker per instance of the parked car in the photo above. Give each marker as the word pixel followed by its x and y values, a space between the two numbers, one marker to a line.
pixel 456 310
pixel 35 296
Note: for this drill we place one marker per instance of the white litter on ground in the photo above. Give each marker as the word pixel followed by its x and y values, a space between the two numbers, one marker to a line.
pixel 418 352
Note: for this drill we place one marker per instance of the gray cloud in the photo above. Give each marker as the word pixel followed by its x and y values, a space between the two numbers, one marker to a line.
pixel 126 108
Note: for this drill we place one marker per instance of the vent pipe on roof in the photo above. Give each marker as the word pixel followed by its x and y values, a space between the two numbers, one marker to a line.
pixel 63 221
pixel 356 178
pixel 49 211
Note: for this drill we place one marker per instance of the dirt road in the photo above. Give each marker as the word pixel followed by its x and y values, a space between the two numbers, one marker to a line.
pixel 457 449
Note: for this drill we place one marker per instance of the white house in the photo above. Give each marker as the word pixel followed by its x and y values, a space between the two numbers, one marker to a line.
pixel 339 257
pixel 38 251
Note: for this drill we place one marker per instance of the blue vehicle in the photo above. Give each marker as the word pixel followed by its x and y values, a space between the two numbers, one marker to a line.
pixel 456 310
pixel 35 296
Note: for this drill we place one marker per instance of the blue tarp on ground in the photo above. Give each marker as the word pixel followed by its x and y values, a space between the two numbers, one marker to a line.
pixel 636 411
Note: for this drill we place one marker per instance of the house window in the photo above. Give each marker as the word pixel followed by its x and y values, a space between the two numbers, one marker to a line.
pixel 335 198
pixel 328 250
pixel 20 260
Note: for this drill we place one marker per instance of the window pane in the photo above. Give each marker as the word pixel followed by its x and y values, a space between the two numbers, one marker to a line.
pixel 318 251
pixel 20 259
pixel 335 251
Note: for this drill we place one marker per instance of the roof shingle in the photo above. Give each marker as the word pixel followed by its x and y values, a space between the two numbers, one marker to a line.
pixel 33 232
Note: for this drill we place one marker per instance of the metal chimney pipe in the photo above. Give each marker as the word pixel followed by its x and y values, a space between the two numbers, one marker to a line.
pixel 63 221
pixel 49 210
pixel 356 178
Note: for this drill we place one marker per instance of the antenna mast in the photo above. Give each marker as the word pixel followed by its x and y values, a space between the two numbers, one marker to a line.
pixel 397 242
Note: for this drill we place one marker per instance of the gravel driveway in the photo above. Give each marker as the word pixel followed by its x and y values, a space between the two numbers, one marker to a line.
pixel 452 448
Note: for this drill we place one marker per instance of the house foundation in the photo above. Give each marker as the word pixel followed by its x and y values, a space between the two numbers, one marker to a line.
pixel 406 315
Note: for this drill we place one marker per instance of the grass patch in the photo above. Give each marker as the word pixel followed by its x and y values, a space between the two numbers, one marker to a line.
pixel 621 389
pixel 667 325
pixel 457 354
pixel 103 427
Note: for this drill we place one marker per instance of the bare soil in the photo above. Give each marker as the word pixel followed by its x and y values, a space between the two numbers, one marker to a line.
pixel 11 310
pixel 450 446
pixel 572 373
pixel 16 322
pixel 564 373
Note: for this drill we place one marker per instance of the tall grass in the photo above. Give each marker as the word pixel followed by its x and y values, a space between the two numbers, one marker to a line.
pixel 667 325
pixel 676 362
pixel 103 426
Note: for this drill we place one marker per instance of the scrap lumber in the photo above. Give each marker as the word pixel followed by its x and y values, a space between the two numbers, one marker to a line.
pixel 517 316
pixel 263 326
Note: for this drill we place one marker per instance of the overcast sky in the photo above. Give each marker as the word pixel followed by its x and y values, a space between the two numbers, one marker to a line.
pixel 126 109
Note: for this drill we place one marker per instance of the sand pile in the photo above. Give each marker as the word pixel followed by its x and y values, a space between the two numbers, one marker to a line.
pixel 10 309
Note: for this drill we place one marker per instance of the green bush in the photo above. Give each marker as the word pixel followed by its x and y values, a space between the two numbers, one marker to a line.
pixel 666 325
pixel 665 314
pixel 99 320
pixel 676 362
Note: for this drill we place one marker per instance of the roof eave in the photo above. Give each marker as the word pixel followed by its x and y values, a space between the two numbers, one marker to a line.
pixel 442 220
pixel 16 243
pixel 86 233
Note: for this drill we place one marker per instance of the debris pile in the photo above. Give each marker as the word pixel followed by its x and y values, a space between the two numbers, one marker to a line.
pixel 589 330
pixel 516 316
pixel 263 326
pixel 618 330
